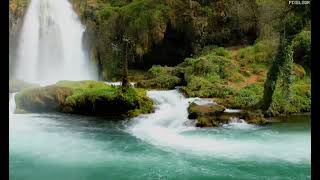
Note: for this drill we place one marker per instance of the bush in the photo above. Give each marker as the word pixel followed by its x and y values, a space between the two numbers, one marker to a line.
pixel 158 70
pixel 302 49
pixel 260 52
pixel 300 98
pixel 160 82
pixel 200 87
pixel 248 96
pixel 298 70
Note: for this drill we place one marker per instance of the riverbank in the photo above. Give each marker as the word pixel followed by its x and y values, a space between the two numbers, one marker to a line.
pixel 233 78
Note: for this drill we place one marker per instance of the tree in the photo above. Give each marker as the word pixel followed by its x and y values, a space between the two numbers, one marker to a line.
pixel 125 82
pixel 294 20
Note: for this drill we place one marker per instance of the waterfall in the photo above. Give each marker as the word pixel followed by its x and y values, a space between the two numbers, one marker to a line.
pixel 12 103
pixel 50 46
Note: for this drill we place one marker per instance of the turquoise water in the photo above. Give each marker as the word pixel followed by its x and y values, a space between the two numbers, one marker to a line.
pixel 156 146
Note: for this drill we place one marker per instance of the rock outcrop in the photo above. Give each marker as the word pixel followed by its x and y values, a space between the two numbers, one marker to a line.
pixel 213 115
pixel 84 97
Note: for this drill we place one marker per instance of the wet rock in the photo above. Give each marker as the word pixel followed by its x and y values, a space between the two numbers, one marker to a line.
pixel 196 110
pixel 254 117
pixel 212 115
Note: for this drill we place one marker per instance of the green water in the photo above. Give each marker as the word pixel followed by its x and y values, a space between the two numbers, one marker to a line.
pixel 157 146
pixel 54 146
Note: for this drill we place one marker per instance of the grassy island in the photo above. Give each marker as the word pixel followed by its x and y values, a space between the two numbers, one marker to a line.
pixel 84 97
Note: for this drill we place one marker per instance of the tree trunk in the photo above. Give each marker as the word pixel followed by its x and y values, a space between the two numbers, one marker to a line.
pixel 125 82
pixel 273 75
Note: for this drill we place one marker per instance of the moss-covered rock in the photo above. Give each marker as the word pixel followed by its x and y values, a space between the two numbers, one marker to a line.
pixel 85 97
pixel 18 85
pixel 210 115
pixel 207 115
pixel 196 110
pixel 253 117
pixel 42 99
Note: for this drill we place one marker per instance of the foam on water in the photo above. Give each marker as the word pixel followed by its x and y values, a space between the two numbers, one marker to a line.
pixel 166 129
pixel 41 137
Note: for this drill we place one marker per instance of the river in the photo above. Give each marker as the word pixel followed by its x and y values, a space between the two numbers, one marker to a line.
pixel 162 145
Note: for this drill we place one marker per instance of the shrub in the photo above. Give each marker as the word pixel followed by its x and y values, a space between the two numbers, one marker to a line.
pixel 248 96
pixel 160 82
pixel 158 70
pixel 201 87
pixel 302 49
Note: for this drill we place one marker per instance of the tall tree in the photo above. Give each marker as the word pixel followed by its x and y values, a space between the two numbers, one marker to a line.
pixel 294 20
pixel 125 82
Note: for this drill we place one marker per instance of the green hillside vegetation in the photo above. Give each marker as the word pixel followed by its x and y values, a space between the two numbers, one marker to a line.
pixel 253 54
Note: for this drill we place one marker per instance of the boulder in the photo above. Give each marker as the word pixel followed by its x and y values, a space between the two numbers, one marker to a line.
pixel 212 115
pixel 196 110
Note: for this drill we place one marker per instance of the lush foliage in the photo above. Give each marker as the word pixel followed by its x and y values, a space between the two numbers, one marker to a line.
pixel 156 25
pixel 302 49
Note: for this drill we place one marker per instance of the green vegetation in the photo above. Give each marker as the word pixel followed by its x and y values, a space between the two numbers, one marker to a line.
pixel 294 20
pixel 302 49
pixel 163 32
pixel 247 55
pixel 235 78
pixel 160 78
pixel 84 97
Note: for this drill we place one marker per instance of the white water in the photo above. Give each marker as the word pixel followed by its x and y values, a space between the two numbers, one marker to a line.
pixel 50 45
pixel 238 140
pixel 12 103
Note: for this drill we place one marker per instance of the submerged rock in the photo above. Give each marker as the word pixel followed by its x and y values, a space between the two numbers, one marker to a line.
pixel 84 97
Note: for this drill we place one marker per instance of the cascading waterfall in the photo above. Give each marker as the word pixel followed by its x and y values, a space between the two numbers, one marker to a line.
pixel 50 46
pixel 167 128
